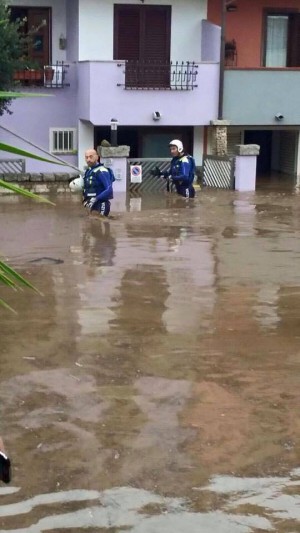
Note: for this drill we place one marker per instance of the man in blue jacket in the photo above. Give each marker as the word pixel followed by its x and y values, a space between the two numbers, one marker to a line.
pixel 97 188
pixel 182 171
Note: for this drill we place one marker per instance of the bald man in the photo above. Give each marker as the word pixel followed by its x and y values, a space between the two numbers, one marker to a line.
pixel 4 464
pixel 97 188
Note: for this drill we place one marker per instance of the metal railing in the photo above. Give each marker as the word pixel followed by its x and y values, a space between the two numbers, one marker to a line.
pixel 149 75
pixel 12 166
pixel 149 183
pixel 218 171
pixel 50 76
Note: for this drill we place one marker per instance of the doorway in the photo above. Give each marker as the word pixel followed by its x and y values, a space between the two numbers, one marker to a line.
pixel 147 141
pixel 264 139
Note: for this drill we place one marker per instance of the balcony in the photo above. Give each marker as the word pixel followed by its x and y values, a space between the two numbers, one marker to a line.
pixel 51 76
pixel 183 93
pixel 151 75
pixel 255 96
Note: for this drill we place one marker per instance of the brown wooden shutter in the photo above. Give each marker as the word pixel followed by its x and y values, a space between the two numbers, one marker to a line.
pixel 127 32
pixel 156 46
pixel 142 37
pixel 156 33
pixel 294 41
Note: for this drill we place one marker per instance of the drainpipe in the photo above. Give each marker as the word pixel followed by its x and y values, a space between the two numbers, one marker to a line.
pixel 221 125
pixel 222 58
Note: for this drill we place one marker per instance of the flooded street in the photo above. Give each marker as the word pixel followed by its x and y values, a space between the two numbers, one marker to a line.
pixel 154 387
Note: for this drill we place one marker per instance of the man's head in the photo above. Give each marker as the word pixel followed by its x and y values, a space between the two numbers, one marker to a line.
pixel 91 157
pixel 176 148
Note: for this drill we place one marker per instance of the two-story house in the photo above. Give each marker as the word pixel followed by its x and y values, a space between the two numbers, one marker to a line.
pixel 262 79
pixel 153 65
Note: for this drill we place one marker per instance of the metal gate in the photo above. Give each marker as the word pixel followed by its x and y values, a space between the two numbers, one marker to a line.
pixel 149 183
pixel 218 171
pixel 12 166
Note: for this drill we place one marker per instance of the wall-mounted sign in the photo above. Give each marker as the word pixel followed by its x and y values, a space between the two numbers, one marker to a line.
pixel 136 173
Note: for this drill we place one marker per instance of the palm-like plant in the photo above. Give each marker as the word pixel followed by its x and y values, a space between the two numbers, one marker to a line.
pixel 8 276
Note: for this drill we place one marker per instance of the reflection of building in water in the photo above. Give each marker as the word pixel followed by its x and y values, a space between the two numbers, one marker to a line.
pixel 141 304
pixel 184 264
pixel 190 277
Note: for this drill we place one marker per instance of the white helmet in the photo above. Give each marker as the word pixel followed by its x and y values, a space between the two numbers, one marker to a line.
pixel 178 145
pixel 76 185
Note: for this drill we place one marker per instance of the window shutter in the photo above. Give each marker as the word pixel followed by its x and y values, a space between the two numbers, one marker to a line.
pixel 156 38
pixel 142 37
pixel 127 32
pixel 294 41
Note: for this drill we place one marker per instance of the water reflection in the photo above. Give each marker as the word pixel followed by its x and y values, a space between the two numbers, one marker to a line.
pixel 163 357
pixel 267 501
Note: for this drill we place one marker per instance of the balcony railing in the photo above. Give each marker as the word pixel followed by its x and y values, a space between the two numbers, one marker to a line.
pixel 51 76
pixel 149 75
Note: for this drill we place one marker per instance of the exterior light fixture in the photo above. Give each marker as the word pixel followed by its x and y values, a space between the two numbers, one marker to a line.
pixel 114 132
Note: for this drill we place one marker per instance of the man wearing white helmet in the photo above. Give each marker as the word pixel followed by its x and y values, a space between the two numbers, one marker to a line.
pixel 182 170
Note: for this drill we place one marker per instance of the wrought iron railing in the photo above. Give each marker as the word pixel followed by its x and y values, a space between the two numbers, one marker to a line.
pixel 50 76
pixel 147 75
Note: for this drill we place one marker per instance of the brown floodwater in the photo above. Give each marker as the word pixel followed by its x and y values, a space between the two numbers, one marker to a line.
pixel 154 387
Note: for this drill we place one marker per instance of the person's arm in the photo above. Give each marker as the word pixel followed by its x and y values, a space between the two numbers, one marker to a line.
pixel 105 179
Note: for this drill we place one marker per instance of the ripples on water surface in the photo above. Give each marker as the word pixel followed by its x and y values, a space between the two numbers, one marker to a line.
pixel 155 386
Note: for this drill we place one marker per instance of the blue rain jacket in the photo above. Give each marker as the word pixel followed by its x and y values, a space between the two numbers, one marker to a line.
pixel 98 183
pixel 183 170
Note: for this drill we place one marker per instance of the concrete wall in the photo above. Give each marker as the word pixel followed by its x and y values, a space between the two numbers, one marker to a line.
pixel 96 28
pixel 245 25
pixel 100 98
pixel 59 25
pixel 210 42
pixel 33 117
pixel 254 97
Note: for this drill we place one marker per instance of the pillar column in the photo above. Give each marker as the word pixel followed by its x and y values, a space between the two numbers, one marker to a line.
pixel 115 157
pixel 85 140
pixel 245 166
pixel 220 136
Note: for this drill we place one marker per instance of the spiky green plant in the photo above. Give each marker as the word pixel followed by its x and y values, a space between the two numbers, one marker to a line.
pixel 8 276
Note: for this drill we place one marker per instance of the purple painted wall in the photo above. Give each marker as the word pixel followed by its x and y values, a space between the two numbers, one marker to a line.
pixel 210 42
pixel 100 98
pixel 32 118
pixel 72 30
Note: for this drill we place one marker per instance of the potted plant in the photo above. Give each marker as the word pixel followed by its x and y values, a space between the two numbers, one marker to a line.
pixel 49 73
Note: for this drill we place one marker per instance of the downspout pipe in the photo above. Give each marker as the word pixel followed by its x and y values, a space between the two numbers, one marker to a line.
pixel 224 4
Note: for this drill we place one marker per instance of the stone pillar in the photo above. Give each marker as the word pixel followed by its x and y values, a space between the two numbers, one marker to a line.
pixel 245 166
pixel 220 136
pixel 115 157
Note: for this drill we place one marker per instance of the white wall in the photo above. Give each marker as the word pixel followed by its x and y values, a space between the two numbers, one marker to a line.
pixel 198 144
pixel 58 8
pixel 85 140
pixel 298 155
pixel 96 28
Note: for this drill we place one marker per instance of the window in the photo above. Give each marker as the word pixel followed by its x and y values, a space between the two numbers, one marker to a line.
pixel 142 36
pixel 63 140
pixel 282 39
pixel 37 24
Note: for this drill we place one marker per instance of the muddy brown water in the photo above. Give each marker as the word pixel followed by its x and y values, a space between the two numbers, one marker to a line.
pixel 154 388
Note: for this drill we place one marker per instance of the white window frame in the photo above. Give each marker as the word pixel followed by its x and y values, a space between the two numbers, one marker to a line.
pixel 63 150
